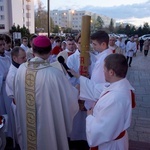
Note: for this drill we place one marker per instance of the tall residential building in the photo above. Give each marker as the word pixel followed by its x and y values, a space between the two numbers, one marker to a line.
pixel 73 18
pixel 16 12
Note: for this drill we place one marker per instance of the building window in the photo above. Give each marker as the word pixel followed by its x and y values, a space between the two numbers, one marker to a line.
pixel 1 8
pixel 2 26
pixel 1 0
pixel 28 15
pixel 28 23
pixel 2 17
pixel 28 7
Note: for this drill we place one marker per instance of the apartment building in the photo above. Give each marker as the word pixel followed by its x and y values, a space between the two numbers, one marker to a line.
pixel 73 18
pixel 16 12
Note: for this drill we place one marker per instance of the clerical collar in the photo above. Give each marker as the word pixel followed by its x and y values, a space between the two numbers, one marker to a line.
pixel 2 54
pixel 15 64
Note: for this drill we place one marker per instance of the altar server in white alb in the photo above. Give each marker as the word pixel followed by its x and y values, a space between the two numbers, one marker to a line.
pixel 131 49
pixel 107 122
pixel 5 101
pixel 18 56
pixel 46 102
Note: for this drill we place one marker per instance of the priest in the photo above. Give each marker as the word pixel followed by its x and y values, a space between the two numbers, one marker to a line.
pixel 46 102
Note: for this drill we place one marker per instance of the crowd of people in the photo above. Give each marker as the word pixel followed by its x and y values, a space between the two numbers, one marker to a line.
pixel 42 106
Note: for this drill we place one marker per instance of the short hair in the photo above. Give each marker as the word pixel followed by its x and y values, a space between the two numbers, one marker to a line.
pixel 7 38
pixel 69 39
pixel 15 51
pixel 1 38
pixel 58 40
pixel 100 36
pixel 118 63
pixel 24 38
pixel 51 37
pixel 77 37
pixel 32 37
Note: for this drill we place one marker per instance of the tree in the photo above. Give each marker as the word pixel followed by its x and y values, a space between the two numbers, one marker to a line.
pixel 120 29
pixel 41 21
pixel 97 24
pixel 128 29
pixel 139 31
pixel 111 26
pixel 146 28
pixel 24 31
pixel 67 30
pixel 56 29
pixel 41 17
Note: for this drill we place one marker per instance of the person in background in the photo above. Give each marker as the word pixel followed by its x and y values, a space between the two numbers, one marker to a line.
pixel 52 40
pixel 131 48
pixel 45 115
pixel 5 101
pixel 29 52
pixel 141 44
pixel 69 49
pixel 56 50
pixel 121 45
pixel 113 46
pixel 24 44
pixel 8 45
pixel 63 45
pixel 146 46
pixel 18 56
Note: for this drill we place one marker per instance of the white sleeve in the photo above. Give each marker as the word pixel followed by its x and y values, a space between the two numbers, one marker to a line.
pixel 105 124
pixel 10 85
pixel 89 90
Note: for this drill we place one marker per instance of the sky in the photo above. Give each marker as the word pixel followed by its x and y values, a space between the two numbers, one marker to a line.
pixel 136 12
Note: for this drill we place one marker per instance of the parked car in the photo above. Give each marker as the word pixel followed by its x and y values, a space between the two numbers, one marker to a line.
pixel 145 37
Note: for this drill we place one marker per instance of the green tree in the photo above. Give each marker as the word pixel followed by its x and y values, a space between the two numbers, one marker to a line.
pixel 40 18
pixel 67 30
pixel 24 31
pixel 146 28
pixel 111 26
pixel 41 21
pixel 127 29
pixel 139 31
pixel 97 24
pixel 56 29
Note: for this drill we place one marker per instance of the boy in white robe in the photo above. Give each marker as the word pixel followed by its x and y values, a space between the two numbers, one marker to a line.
pixel 108 120
pixel 5 101
pixel 131 49
pixel 18 56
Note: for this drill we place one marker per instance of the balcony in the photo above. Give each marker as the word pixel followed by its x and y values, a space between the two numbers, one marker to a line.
pixel 28 23
pixel 28 15
pixel 28 7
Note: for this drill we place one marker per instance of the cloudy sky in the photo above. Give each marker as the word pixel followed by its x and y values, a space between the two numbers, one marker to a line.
pixel 136 12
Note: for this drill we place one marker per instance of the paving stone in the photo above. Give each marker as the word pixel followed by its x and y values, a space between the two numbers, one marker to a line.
pixel 139 77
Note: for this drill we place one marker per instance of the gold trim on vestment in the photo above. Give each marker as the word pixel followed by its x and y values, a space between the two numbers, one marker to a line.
pixel 30 109
pixel 36 65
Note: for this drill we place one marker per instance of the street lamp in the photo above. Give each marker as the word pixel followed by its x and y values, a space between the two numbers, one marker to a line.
pixel 48 8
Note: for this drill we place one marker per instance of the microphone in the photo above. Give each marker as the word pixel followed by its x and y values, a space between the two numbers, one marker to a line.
pixel 62 61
